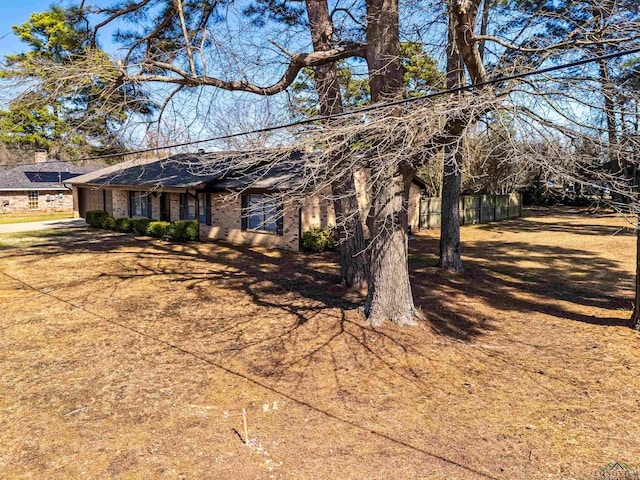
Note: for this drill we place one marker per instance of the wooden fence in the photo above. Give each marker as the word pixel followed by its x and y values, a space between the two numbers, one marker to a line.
pixel 473 209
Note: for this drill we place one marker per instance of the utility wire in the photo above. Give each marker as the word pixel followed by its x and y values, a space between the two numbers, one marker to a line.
pixel 202 357
pixel 377 106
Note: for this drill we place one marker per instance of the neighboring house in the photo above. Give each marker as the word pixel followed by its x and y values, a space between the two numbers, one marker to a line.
pixel 38 186
pixel 236 205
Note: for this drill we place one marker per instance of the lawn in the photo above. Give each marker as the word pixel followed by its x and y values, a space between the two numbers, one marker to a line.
pixel 33 217
pixel 32 238
pixel 129 358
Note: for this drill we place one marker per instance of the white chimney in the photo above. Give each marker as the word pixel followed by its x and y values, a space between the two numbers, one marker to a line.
pixel 40 157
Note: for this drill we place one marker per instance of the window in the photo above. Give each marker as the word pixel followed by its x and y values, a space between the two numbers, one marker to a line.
pixel 139 204
pixel 204 208
pixel 262 213
pixel 187 207
pixel 33 201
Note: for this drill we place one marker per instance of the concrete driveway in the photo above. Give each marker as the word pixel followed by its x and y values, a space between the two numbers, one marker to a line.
pixel 49 224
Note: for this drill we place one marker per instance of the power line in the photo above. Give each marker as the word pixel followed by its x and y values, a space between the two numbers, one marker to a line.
pixel 378 106
pixel 202 357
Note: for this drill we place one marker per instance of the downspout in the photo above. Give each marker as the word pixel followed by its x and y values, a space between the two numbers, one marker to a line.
pixel 300 228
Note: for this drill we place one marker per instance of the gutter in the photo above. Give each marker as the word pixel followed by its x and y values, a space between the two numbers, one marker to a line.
pixel 152 188
pixel 34 189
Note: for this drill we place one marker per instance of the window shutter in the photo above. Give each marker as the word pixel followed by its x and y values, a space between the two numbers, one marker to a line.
pixel 130 204
pixel 243 211
pixel 149 206
pixel 280 220
pixel 183 206
pixel 208 208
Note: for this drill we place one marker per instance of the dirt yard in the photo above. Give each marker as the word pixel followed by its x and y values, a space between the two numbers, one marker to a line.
pixel 131 358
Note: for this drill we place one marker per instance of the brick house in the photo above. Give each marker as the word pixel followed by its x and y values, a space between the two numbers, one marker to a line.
pixel 38 186
pixel 186 187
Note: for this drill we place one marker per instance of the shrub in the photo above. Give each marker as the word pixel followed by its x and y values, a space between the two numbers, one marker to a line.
pixel 95 218
pixel 124 225
pixel 140 225
pixel 183 230
pixel 318 240
pixel 193 230
pixel 159 229
pixel 109 223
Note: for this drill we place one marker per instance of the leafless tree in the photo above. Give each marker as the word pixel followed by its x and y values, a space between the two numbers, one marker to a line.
pixel 391 143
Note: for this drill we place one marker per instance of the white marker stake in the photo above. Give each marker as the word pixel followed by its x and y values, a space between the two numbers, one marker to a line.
pixel 244 424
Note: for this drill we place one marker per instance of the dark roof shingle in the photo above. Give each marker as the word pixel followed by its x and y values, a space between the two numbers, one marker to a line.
pixel 217 170
pixel 267 170
pixel 40 176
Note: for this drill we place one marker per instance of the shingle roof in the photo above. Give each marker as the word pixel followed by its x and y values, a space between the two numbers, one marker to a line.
pixel 40 176
pixel 218 170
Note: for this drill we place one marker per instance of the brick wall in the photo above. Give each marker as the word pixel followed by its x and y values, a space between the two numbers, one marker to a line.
pixel 120 199
pixel 18 202
pixel 318 211
pixel 174 206
pixel 226 224
pixel 76 203
pixel 155 206
pixel 414 207
pixel 93 198
pixel 120 202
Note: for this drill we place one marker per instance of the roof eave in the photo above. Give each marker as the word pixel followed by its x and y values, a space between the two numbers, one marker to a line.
pixel 34 189
pixel 160 188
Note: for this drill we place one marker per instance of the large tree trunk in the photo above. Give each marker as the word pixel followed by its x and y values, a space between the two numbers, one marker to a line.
pixel 389 296
pixel 635 318
pixel 450 213
pixel 464 14
pixel 452 174
pixel 608 92
pixel 484 23
pixel 352 244
pixel 462 51
pixel 353 256
pixel 608 89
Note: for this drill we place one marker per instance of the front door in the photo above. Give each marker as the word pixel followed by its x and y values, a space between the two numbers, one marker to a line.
pixel 82 202
pixel 164 207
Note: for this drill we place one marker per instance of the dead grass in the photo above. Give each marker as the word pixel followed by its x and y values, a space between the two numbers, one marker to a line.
pixel 130 358
pixel 33 217
pixel 31 238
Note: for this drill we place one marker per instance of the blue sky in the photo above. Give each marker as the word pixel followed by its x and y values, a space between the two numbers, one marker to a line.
pixel 15 12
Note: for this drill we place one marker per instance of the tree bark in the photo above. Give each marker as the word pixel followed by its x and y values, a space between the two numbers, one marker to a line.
pixel 383 51
pixel 486 6
pixel 464 14
pixel 452 175
pixel 389 296
pixel 450 214
pixel 352 245
pixel 608 92
pixel 635 317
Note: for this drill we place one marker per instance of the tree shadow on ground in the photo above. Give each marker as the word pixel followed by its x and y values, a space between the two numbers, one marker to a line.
pixel 298 319
pixel 497 273
pixel 310 323
pixel 515 277
pixel 533 226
